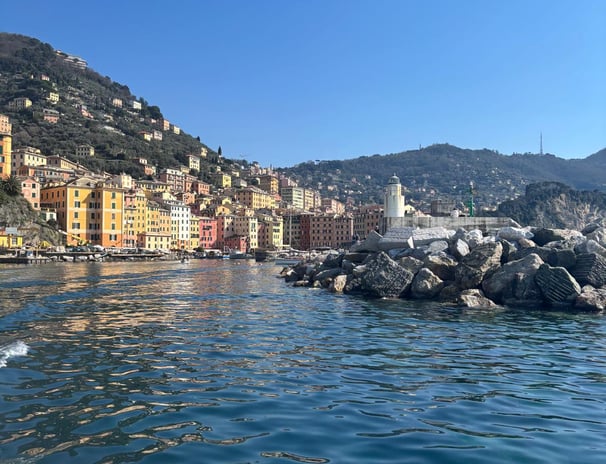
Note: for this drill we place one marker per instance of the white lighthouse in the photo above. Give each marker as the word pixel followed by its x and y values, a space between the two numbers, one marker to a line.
pixel 394 200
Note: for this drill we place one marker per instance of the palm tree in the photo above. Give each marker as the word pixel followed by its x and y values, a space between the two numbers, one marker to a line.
pixel 11 186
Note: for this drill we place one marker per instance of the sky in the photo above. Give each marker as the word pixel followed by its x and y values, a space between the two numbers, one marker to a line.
pixel 290 81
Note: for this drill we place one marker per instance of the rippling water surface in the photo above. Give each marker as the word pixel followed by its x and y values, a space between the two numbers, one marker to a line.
pixel 221 362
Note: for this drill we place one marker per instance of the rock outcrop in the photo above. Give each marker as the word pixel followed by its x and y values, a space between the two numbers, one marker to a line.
pixel 564 269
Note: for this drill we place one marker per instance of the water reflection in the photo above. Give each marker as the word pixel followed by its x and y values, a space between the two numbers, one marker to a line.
pixel 128 362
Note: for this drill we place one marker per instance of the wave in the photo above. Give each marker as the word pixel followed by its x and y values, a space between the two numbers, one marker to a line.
pixel 11 350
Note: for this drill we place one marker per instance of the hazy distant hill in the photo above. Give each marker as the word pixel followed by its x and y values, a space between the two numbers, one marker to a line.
pixel 32 69
pixel 445 172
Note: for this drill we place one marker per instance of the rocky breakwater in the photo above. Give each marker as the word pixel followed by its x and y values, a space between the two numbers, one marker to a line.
pixel 529 267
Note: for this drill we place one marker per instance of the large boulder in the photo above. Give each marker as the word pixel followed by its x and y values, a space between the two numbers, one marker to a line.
pixel 411 264
pixel 591 299
pixel 543 252
pixel 483 259
pixel 514 281
pixel 385 278
pixel 441 265
pixel 590 269
pixel 426 285
pixel 562 258
pixel 474 299
pixel 371 243
pixel 598 235
pixel 513 233
pixel 543 236
pixel 590 246
pixel 326 276
pixel 396 238
pixel 459 248
pixel 556 284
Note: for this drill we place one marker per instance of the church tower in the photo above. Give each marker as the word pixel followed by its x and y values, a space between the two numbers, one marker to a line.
pixel 394 200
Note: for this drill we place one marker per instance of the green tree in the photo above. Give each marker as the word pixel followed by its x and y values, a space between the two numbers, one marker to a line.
pixel 11 186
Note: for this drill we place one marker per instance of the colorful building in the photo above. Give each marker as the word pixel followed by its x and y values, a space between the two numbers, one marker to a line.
pixel 6 140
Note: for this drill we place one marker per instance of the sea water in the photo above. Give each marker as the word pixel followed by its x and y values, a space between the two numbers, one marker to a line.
pixel 219 361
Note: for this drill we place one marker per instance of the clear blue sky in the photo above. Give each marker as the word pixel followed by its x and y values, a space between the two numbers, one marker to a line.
pixel 283 82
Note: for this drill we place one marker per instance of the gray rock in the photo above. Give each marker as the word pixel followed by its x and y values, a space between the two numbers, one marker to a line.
pixel 338 284
pixel 483 259
pixel 556 284
pixel 356 257
pixel 438 246
pixel 591 299
pixel 426 285
pixel 474 238
pixel 385 278
pixel 371 243
pixel 543 252
pixel 450 293
pixel 543 236
pixel 514 233
pixel 475 299
pixel 326 274
pixel 396 238
pixel 332 261
pixel 562 258
pixel 441 265
pixel 590 269
pixel 428 235
pixel 598 235
pixel 514 280
pixel 411 264
pixel 589 228
pixel 459 248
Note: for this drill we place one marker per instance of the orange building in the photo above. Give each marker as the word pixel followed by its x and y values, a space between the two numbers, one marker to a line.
pixel 6 140
pixel 88 210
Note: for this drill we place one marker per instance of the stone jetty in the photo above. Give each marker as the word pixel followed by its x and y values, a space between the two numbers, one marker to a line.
pixel 512 266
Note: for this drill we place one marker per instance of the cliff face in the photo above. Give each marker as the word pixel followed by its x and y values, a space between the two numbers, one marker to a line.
pixel 552 204
pixel 17 212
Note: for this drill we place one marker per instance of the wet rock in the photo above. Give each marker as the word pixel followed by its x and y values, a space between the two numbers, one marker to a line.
pixel 591 299
pixel 338 284
pixel 474 298
pixel 385 278
pixel 556 284
pixel 450 293
pixel 326 276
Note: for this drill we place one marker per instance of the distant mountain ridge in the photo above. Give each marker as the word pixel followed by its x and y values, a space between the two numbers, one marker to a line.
pixel 442 171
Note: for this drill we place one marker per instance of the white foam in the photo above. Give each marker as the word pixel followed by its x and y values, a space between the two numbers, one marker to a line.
pixel 11 350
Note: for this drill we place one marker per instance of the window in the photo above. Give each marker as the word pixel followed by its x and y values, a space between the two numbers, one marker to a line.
pixel 113 206
pixel 76 204
pixel 113 195
pixel 76 193
pixel 76 215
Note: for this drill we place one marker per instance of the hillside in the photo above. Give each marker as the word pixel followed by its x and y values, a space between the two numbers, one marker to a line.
pixel 445 172
pixel 88 111
pixel 552 204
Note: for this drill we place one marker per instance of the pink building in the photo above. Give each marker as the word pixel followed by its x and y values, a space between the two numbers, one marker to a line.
pixel 30 189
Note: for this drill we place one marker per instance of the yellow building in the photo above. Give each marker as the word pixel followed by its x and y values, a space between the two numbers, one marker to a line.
pixel 27 156
pixel 6 140
pixel 88 210
pixel 255 198
pixel 157 234
pixel 269 183
pixel 10 238
pixel 222 180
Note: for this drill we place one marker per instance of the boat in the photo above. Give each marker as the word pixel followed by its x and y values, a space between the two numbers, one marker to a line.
pixel 237 254
pixel 265 255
